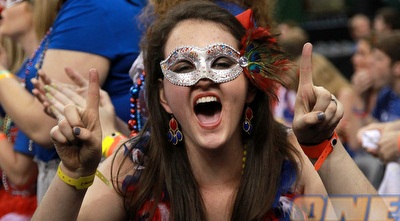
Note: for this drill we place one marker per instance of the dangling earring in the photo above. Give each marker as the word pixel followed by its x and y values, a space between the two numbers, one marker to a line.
pixel 174 134
pixel 248 115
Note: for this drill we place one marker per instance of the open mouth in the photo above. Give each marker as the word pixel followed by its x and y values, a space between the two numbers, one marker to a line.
pixel 208 110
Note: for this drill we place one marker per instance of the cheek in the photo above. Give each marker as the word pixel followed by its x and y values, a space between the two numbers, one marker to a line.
pixel 238 89
pixel 176 96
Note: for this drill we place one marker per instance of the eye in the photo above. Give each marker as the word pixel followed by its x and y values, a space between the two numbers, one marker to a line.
pixel 223 63
pixel 183 67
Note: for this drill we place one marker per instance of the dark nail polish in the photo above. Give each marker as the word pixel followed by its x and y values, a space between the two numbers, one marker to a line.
pixel 77 130
pixel 321 116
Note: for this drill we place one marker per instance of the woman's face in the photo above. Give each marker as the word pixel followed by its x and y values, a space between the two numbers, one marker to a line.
pixel 16 20
pixel 209 113
pixel 361 57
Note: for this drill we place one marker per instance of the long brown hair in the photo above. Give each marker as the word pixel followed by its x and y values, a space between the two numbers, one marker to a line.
pixel 167 167
pixel 44 14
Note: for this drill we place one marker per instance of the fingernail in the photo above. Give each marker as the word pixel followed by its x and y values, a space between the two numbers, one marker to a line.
pixel 77 130
pixel 54 85
pixel 321 116
pixel 49 96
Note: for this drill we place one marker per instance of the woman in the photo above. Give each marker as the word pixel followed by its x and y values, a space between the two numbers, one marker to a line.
pixel 216 171
pixel 79 38
pixel 19 171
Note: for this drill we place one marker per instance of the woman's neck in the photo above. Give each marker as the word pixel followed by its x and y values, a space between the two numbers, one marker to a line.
pixel 29 43
pixel 221 167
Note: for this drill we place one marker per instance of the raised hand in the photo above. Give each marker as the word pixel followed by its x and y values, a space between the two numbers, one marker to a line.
pixel 317 111
pixel 362 81
pixel 77 137
pixel 53 107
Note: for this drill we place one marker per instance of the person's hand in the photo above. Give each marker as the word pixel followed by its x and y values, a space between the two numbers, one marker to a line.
pixel 372 126
pixel 77 137
pixel 388 149
pixel 387 144
pixel 43 96
pixel 317 111
pixel 362 81
pixel 58 95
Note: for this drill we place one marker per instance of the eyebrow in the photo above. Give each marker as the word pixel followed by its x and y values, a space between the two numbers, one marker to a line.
pixel 190 48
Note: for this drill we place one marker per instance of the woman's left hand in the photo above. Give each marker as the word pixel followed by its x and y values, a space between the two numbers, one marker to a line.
pixel 317 111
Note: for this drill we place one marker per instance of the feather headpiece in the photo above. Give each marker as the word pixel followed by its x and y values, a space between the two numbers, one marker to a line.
pixel 262 61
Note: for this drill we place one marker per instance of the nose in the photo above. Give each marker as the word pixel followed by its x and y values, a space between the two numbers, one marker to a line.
pixel 204 83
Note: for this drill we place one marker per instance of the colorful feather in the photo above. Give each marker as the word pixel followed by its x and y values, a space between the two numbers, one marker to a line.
pixel 263 62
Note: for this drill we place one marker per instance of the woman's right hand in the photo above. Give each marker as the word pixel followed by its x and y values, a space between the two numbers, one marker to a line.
pixel 77 137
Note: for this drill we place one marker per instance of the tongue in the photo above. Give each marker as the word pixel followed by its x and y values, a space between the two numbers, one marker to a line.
pixel 208 119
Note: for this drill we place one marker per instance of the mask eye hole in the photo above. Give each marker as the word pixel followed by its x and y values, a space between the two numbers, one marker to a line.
pixel 183 66
pixel 223 63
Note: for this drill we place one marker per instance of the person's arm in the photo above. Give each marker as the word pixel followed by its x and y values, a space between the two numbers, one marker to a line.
pixel 26 110
pixel 361 106
pixel 77 139
pixel 100 195
pixel 317 114
pixel 20 168
pixel 54 96
pixel 388 145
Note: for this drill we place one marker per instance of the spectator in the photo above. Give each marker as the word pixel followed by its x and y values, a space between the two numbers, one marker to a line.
pixel 202 176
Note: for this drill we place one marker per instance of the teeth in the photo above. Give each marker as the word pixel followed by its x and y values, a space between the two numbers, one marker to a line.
pixel 206 100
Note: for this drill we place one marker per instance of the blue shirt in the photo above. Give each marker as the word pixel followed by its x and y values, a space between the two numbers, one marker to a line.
pixel 101 27
pixel 387 106
pixel 107 28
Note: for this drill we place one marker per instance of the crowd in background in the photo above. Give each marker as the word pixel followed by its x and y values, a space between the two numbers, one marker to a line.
pixel 56 43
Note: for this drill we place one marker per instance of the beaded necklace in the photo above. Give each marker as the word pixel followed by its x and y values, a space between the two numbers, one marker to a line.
pixel 40 51
pixel 136 122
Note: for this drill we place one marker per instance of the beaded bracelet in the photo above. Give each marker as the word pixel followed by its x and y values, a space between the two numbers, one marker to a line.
pixel 5 74
pixel 110 142
pixel 320 151
pixel 80 183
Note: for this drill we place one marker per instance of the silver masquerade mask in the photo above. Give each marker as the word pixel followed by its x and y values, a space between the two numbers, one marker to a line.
pixel 186 65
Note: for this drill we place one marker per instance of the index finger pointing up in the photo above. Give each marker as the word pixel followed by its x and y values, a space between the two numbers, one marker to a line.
pixel 305 80
pixel 92 101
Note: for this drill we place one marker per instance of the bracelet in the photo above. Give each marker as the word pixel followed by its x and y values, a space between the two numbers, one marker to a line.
pixel 110 142
pixel 5 74
pixel 320 151
pixel 80 183
pixel 104 179
pixel 3 136
pixel 359 113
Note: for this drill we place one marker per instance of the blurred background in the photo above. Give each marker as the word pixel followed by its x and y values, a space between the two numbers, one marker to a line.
pixel 327 24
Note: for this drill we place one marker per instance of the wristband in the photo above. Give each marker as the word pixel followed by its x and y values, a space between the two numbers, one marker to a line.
pixel 103 178
pixel 5 74
pixel 320 151
pixel 80 183
pixel 110 142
